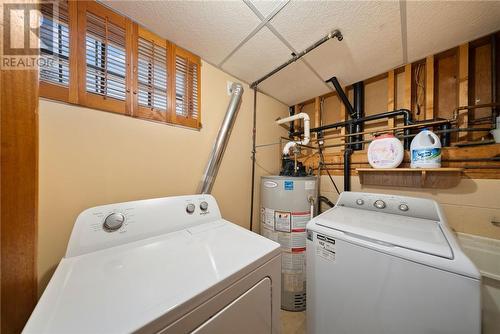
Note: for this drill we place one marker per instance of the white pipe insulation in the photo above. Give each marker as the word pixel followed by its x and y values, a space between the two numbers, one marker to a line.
pixel 307 133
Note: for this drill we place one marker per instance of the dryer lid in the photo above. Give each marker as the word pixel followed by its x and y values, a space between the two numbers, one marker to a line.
pixel 416 234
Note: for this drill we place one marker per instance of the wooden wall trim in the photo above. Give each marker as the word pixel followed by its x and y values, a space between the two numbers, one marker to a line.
pixel 19 94
pixel 19 195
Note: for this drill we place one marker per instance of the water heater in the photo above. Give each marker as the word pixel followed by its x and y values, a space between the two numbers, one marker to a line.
pixel 285 210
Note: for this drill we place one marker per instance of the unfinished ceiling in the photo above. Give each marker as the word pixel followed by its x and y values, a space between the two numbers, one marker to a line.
pixel 250 38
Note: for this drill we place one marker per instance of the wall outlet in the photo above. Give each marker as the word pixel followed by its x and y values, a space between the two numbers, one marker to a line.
pixel 229 84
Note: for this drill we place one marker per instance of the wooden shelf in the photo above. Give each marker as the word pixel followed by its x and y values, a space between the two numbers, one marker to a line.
pixel 411 177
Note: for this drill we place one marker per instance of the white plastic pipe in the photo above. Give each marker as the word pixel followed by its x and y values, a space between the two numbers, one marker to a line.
pixel 307 133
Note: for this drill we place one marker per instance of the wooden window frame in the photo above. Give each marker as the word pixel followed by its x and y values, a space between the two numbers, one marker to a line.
pixel 138 110
pixel 177 119
pixel 77 93
pixel 58 92
pixel 89 99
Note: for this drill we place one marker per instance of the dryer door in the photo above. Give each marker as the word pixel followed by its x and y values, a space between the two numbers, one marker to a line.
pixel 250 313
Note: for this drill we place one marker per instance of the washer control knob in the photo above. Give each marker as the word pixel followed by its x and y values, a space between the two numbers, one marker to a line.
pixel 379 204
pixel 203 206
pixel 360 201
pixel 403 207
pixel 190 208
pixel 113 222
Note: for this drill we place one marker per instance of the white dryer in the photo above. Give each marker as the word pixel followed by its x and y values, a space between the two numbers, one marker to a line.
pixel 382 264
pixel 168 265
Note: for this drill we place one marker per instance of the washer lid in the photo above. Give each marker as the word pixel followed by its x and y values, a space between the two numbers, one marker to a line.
pixel 121 289
pixel 420 235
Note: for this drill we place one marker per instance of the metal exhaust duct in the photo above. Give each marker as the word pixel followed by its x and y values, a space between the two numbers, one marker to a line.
pixel 220 144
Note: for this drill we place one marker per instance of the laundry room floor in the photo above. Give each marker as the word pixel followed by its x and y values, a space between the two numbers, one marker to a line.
pixel 293 322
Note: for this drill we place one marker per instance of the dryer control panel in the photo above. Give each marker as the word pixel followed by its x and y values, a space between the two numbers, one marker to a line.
pixel 115 224
pixel 399 205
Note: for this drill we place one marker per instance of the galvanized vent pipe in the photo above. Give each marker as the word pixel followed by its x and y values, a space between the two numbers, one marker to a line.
pixel 220 144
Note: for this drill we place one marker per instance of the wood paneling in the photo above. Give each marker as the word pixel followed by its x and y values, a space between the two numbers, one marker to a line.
pixel 18 177
pixel 445 76
pixel 480 84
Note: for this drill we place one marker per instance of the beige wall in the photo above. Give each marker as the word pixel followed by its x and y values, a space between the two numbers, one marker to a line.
pixel 90 158
pixel 469 207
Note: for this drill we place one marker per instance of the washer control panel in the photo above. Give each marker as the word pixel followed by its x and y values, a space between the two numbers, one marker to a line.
pixel 114 224
pixel 400 205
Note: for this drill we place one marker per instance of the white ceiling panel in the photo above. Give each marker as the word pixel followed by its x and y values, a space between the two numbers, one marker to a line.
pixel 371 30
pixel 294 84
pixel 303 22
pixel 261 54
pixel 211 29
pixel 435 26
pixel 266 7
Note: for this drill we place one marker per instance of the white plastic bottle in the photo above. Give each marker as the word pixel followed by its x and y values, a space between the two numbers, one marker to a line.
pixel 425 150
pixel 385 151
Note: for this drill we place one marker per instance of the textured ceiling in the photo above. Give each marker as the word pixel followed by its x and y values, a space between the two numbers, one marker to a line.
pixel 250 38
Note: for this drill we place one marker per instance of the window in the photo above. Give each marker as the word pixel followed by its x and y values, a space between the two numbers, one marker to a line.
pixel 104 71
pixel 105 54
pixel 54 44
pixel 55 74
pixel 187 99
pixel 102 60
pixel 152 76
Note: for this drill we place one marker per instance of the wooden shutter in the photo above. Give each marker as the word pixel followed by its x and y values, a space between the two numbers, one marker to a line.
pixel 54 44
pixel 57 28
pixel 105 44
pixel 152 74
pixel 187 89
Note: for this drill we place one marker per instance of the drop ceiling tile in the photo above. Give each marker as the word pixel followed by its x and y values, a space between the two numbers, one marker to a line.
pixel 435 26
pixel 210 29
pixel 266 7
pixel 293 84
pixel 258 56
pixel 371 30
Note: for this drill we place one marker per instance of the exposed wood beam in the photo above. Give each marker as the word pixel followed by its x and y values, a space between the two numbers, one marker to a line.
pixel 407 87
pixel 429 87
pixel 317 114
pixel 463 85
pixel 391 99
pixel 343 117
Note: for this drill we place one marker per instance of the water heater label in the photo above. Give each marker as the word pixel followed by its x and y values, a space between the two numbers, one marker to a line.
pixel 310 185
pixel 299 221
pixel 288 185
pixel 267 218
pixel 325 248
pixel 282 221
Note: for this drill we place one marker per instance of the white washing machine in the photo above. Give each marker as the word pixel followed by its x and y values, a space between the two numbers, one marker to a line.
pixel 168 265
pixel 383 264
